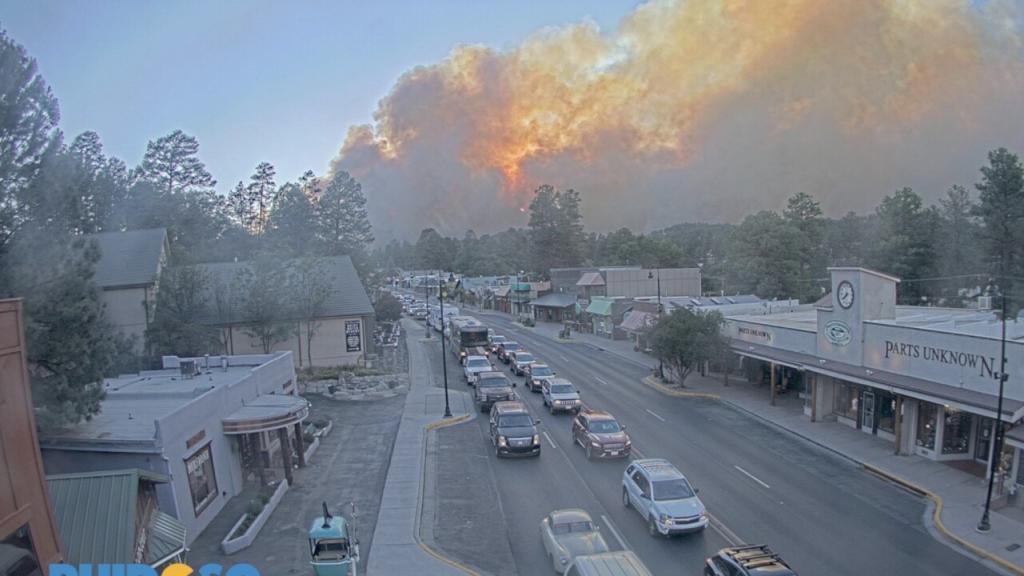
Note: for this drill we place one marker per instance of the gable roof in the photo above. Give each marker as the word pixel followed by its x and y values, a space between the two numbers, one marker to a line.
pixel 130 258
pixel 96 514
pixel 347 298
pixel 591 279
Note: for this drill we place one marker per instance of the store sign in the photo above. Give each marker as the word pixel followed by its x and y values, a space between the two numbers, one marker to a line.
pixel 837 332
pixel 985 365
pixel 754 333
pixel 353 336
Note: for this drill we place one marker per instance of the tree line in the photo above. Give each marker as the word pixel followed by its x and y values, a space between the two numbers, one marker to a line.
pixel 53 193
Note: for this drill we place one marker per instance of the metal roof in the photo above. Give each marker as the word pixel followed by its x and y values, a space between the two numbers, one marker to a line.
pixel 96 515
pixel 129 258
pixel 591 279
pixel 556 300
pixel 600 307
pixel 637 321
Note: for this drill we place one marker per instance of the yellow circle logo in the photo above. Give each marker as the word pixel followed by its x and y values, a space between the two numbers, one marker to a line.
pixel 177 570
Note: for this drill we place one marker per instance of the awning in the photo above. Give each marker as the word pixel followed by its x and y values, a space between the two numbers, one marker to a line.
pixel 978 402
pixel 600 307
pixel 1015 436
pixel 637 321
pixel 266 412
pixel 165 538
pixel 558 300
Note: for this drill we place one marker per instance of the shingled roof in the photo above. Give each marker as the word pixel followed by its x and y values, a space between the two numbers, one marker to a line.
pixel 130 258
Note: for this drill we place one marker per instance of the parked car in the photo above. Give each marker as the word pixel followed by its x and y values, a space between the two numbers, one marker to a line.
pixel 507 347
pixel 492 387
pixel 513 430
pixel 475 365
pixel 620 563
pixel 663 497
pixel 569 533
pixel 519 360
pixel 536 374
pixel 600 435
pixel 755 560
pixel 560 395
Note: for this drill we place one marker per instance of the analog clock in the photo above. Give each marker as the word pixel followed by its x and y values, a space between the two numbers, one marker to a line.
pixel 844 294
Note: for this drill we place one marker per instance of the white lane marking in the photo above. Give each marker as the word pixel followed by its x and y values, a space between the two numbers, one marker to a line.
pixel 639 455
pixel 562 356
pixel 751 476
pixel 724 531
pixel 655 415
pixel 552 442
pixel 601 380
pixel 614 532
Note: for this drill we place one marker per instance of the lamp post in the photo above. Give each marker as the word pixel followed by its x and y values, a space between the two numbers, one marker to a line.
pixel 984 525
pixel 444 354
pixel 650 275
pixel 426 302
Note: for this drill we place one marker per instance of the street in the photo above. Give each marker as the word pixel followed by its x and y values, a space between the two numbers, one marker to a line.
pixel 822 513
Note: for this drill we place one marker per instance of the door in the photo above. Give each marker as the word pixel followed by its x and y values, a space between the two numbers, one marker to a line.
pixel 867 421
pixel 984 441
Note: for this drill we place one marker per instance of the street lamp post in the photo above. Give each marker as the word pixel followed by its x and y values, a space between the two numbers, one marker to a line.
pixel 650 275
pixel 444 354
pixel 984 525
pixel 426 302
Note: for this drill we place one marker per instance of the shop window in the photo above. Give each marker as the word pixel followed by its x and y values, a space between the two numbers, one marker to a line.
pixel 886 412
pixel 956 433
pixel 846 399
pixel 1020 467
pixel 202 482
pixel 18 557
pixel 927 420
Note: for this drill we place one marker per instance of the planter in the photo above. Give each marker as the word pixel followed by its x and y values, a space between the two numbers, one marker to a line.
pixel 326 429
pixel 310 450
pixel 230 544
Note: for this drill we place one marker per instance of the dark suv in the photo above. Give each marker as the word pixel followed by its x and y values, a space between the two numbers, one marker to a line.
pixel 507 347
pixel 513 431
pixel 492 387
pixel 747 561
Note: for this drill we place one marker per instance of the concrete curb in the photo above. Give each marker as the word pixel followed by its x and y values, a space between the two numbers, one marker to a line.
pixel 437 554
pixel 676 393
pixel 937 519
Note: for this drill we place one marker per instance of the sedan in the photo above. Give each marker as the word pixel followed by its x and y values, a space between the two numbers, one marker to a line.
pixel 569 533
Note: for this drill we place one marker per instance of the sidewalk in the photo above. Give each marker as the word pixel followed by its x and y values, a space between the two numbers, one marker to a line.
pixel 397 548
pixel 962 494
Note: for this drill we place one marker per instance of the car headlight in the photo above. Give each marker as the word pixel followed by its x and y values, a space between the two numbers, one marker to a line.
pixel 595 444
pixel 563 560
pixel 628 443
pixel 665 518
pixel 704 514
pixel 536 439
pixel 502 441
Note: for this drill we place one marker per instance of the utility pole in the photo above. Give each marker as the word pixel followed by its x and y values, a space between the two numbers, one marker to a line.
pixel 444 354
pixel 661 366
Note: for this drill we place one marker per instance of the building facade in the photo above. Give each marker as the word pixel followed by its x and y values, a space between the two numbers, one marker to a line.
pixel 926 379
pixel 29 539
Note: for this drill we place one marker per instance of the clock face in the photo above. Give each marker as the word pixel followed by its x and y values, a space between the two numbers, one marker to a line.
pixel 844 293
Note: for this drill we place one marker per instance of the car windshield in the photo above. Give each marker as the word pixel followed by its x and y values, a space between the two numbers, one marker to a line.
pixel 510 346
pixel 524 358
pixel 541 371
pixel 573 527
pixel 492 383
pixel 515 421
pixel 604 426
pixel 478 363
pixel 497 339
pixel 562 389
pixel 676 489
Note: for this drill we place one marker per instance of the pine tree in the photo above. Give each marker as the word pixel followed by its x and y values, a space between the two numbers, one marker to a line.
pixel 1001 209
pixel 342 222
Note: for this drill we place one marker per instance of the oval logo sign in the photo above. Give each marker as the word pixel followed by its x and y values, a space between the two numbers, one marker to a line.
pixel 838 333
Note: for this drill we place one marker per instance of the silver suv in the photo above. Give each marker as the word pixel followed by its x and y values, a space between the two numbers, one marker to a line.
pixel 560 395
pixel 663 496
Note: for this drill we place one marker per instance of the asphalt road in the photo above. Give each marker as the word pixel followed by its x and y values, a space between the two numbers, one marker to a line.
pixel 823 514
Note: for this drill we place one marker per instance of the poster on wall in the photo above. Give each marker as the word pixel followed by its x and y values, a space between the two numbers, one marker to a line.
pixel 353 336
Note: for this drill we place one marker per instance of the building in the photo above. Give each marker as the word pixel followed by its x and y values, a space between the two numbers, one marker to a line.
pixel 625 282
pixel 113 517
pixel 28 534
pixel 206 424
pixel 343 326
pixel 555 307
pixel 127 275
pixel 926 379
pixel 516 297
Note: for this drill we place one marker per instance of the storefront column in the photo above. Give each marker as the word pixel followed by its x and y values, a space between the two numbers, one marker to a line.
pixel 813 379
pixel 898 425
pixel 300 449
pixel 286 453
pixel 255 459
pixel 771 383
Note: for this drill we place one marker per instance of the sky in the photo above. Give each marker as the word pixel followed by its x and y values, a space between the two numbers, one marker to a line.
pixel 253 80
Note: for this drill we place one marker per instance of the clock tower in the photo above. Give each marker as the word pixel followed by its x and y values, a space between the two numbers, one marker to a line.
pixel 858 294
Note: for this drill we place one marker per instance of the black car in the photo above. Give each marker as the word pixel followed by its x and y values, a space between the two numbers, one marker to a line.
pixel 747 561
pixel 513 430
pixel 507 347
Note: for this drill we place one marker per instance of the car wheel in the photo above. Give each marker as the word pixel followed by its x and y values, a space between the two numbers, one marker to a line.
pixel 551 408
pixel 651 528
pixel 590 452
pixel 625 497
pixel 497 452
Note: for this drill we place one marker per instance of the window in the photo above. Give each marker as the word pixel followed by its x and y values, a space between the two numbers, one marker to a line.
pixel 927 415
pixel 956 433
pixel 19 558
pixel 1020 467
pixel 847 396
pixel 202 482
pixel 886 407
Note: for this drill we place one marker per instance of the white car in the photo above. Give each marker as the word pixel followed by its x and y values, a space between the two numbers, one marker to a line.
pixel 560 395
pixel 475 365
pixel 663 497
pixel 570 533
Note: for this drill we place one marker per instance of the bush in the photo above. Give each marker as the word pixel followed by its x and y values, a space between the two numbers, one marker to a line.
pixel 387 308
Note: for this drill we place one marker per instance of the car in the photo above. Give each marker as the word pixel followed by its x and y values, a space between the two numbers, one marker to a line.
pixel 618 563
pixel 560 395
pixel 507 347
pixel 419 313
pixel 600 435
pixel 757 560
pixel 519 360
pixel 491 387
pixel 475 365
pixel 494 342
pixel 513 430
pixel 663 497
pixel 569 533
pixel 536 373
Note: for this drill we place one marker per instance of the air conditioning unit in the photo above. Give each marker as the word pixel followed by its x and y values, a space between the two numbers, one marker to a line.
pixel 984 302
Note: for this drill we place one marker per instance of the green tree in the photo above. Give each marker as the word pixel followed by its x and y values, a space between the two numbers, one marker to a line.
pixel 957 246
pixel 763 257
pixel 387 308
pixel 28 132
pixel 289 232
pixel 684 340
pixel 309 288
pixel 262 196
pixel 263 287
pixel 171 163
pixel 435 252
pixel 846 239
pixel 905 246
pixel 342 222
pixel 803 214
pixel 179 325
pixel 1001 209
pixel 556 229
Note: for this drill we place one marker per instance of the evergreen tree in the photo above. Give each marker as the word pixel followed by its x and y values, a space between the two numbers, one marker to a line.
pixel 904 245
pixel 263 287
pixel 342 223
pixel 803 214
pixel 556 229
pixel 1001 209
pixel 309 288
pixel 289 232
pixel 262 196
pixel 763 258
pixel 179 325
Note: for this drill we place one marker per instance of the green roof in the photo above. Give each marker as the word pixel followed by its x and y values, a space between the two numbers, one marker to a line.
pixel 521 287
pixel 600 307
pixel 96 516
